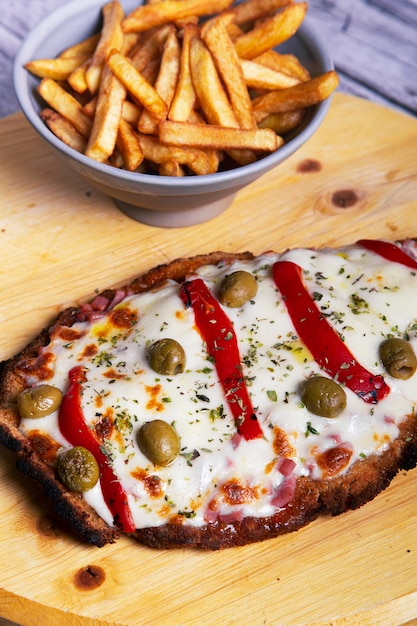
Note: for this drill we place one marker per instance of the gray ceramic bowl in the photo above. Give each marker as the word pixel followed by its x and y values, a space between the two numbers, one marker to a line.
pixel 153 199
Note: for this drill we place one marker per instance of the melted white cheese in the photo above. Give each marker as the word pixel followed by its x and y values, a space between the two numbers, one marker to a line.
pixel 365 298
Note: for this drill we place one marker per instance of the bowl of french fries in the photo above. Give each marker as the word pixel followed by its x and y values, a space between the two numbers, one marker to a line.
pixel 172 107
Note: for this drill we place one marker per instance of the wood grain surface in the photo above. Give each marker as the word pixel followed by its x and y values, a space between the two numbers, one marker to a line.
pixel 60 241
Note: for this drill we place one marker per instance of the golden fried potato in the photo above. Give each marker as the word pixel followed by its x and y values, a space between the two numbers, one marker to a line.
pixel 176 86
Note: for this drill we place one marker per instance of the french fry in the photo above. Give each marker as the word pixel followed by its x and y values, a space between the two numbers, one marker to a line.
pixel 111 38
pixel 137 86
pixel 90 107
pixel 129 146
pixel 218 137
pixel 194 118
pixel 214 156
pixel 271 32
pixel 57 69
pixel 211 95
pixel 251 10
pixel 185 97
pixel 282 123
pixel 180 23
pixel 150 72
pixel 150 47
pixel 156 152
pixel 230 70
pixel 116 159
pixel 226 17
pixel 85 47
pixel 234 31
pixel 107 117
pixel 258 76
pixel 167 91
pixel 171 168
pixel 66 105
pixel 77 80
pixel 63 130
pixel 286 63
pixel 302 95
pixel 131 113
pixel 208 87
pixel 130 42
pixel 165 83
pixel 149 15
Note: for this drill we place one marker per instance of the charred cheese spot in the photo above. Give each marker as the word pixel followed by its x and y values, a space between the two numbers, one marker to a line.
pixel 111 427
pixel 381 440
pixel 41 367
pixel 123 318
pixel 44 446
pixel 152 484
pixel 281 444
pixel 234 492
pixel 102 329
pixel 99 399
pixel 113 374
pixel 66 333
pixel 178 520
pixel 213 505
pixel 89 351
pixel 334 460
pixel 195 504
pixel 109 328
pixel 165 511
pixel 153 403
pixel 103 428
pixel 269 467
pixel 180 315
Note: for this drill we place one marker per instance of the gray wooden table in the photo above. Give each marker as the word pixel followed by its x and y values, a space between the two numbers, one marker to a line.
pixel 373 44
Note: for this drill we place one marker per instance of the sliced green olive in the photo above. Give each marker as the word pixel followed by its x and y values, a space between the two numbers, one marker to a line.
pixel 398 358
pixel 38 401
pixel 159 442
pixel 167 356
pixel 78 469
pixel 323 396
pixel 237 288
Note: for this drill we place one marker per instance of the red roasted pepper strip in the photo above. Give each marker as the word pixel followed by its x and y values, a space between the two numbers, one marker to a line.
pixel 218 333
pixel 76 431
pixel 324 343
pixel 388 251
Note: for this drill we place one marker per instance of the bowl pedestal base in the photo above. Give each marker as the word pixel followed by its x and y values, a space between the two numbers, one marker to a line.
pixel 177 218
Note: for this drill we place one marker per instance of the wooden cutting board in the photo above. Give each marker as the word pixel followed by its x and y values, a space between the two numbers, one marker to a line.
pixel 59 242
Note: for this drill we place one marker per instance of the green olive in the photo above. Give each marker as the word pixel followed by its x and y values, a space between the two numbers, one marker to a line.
pixel 39 401
pixel 167 356
pixel 159 442
pixel 237 288
pixel 398 358
pixel 78 469
pixel 322 396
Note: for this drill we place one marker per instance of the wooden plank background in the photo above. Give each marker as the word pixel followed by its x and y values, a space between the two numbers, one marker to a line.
pixel 372 42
